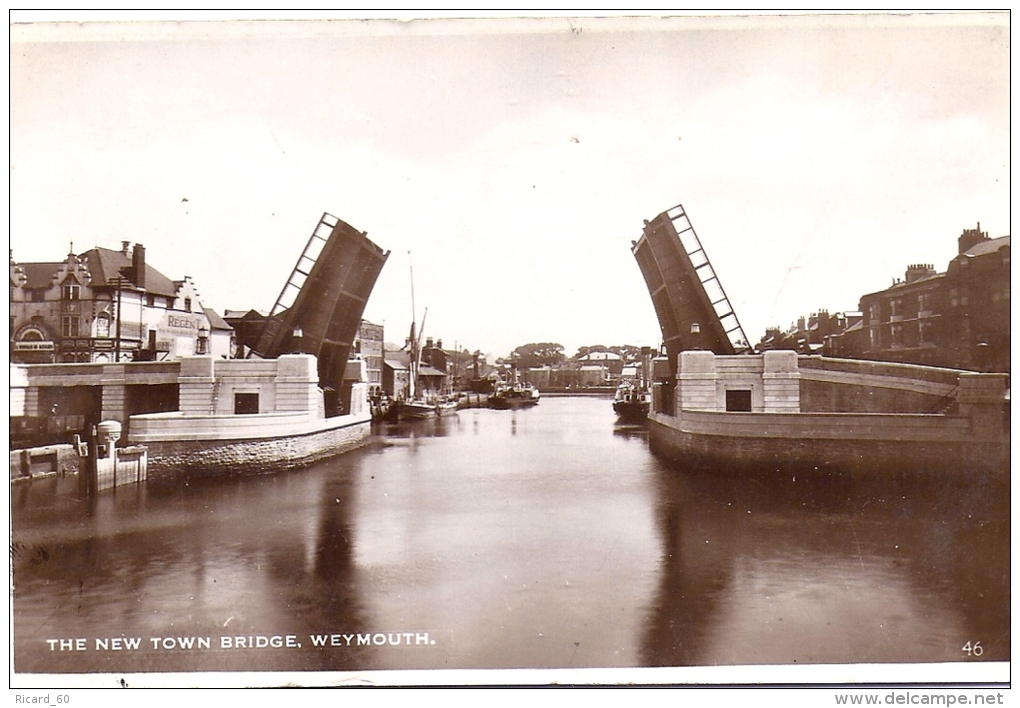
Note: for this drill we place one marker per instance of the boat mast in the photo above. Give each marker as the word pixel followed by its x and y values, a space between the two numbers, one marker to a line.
pixel 413 358
pixel 417 351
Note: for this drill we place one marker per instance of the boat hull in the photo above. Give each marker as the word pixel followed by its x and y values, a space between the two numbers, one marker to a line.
pixel 504 403
pixel 632 411
pixel 421 410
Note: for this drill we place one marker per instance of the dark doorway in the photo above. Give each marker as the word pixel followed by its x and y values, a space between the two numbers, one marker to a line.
pixel 246 403
pixel 738 400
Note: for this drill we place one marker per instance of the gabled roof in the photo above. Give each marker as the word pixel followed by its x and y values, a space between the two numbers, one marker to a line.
pixel 215 321
pixel 106 264
pixel 254 315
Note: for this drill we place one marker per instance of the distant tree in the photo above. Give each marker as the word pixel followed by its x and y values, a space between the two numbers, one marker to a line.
pixel 536 354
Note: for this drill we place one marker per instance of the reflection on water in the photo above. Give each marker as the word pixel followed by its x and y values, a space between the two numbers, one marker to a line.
pixel 541 538
pixel 830 570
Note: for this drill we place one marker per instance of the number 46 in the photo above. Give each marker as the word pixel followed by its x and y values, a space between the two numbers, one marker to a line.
pixel 973 649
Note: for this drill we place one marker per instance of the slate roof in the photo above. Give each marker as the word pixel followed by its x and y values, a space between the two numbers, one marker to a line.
pixel 426 370
pixel 105 264
pixel 215 321
pixel 992 245
pixel 39 275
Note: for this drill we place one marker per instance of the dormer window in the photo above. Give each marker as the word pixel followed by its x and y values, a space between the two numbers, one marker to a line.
pixel 70 291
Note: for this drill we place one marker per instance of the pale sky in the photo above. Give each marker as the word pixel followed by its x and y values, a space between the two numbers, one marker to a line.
pixel 516 160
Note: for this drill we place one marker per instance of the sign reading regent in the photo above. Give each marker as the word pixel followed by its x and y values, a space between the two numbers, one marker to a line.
pixel 182 324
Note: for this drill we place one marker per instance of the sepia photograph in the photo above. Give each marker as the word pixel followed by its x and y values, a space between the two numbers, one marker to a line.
pixel 511 350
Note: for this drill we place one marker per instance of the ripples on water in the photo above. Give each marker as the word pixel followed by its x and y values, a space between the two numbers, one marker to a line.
pixel 540 538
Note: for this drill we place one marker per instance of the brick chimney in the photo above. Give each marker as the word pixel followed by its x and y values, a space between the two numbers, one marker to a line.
pixel 917 271
pixel 971 237
pixel 138 265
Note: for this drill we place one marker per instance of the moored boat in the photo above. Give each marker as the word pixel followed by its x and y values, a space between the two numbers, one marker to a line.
pixel 631 403
pixel 518 395
pixel 427 407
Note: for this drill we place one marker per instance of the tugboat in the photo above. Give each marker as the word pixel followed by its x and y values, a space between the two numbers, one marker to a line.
pixel 517 395
pixel 631 403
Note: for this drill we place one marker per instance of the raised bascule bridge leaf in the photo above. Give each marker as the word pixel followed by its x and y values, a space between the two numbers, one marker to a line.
pixel 320 307
pixel 690 303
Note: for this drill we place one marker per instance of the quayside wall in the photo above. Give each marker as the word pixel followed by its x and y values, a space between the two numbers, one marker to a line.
pixel 248 417
pixel 198 415
pixel 218 446
pixel 814 413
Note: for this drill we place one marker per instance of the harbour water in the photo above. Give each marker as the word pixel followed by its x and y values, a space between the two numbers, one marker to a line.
pixel 540 538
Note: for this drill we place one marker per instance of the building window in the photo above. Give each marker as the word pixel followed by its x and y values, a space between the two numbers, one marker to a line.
pixel 876 337
pixel 896 307
pixel 924 302
pixel 246 403
pixel 70 326
pixel 38 296
pixel 896 335
pixel 150 300
pixel 71 292
pixel 873 312
pixel 926 333
pixel 187 304
pixel 957 297
pixel 738 400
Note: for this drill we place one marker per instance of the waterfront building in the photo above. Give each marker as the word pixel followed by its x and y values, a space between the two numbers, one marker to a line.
pixel 957 319
pixel 538 376
pixel 368 346
pixel 108 306
pixel 809 335
pixel 435 356
pixel 610 361
pixel 396 377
